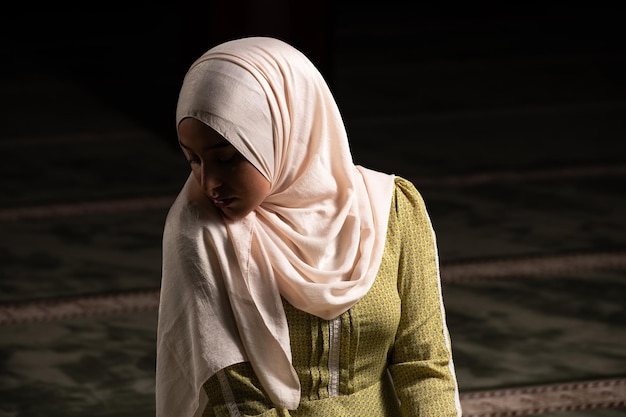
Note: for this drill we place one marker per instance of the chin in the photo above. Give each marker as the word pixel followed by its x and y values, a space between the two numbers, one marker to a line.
pixel 234 215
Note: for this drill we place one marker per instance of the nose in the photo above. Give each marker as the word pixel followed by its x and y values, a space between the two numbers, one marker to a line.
pixel 210 181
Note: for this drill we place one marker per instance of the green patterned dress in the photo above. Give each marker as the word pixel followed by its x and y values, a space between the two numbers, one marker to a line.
pixel 389 355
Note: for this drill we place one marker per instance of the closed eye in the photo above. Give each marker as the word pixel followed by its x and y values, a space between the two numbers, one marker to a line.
pixel 192 158
pixel 228 155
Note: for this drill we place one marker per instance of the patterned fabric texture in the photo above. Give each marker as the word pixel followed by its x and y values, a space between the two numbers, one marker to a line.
pixel 397 330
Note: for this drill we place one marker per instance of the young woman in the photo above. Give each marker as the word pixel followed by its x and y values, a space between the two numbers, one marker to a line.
pixel 295 283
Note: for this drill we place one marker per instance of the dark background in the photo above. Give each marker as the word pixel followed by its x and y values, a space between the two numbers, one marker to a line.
pixel 134 57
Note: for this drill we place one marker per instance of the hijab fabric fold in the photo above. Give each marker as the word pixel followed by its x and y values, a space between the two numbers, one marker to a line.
pixel 317 240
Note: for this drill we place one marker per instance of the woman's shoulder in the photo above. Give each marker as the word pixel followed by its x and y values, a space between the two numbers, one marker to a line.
pixel 406 196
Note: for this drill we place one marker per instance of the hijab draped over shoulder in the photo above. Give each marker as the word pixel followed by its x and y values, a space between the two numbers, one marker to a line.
pixel 317 240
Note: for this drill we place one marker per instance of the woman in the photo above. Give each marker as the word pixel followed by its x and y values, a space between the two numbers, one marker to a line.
pixel 295 283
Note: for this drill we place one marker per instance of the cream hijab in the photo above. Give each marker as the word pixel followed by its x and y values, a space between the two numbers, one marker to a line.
pixel 317 240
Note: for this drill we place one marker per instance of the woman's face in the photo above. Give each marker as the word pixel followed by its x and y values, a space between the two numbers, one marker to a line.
pixel 234 185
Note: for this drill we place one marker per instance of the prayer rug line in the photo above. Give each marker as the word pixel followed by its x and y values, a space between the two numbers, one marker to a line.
pixel 164 202
pixel 135 301
pixel 541 399
pixel 532 266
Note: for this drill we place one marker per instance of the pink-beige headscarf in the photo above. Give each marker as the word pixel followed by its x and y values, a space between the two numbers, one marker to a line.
pixel 317 240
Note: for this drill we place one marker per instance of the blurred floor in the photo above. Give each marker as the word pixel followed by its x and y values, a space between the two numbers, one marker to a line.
pixel 509 121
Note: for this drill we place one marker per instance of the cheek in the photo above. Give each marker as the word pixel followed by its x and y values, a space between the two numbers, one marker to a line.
pixel 264 188
pixel 259 184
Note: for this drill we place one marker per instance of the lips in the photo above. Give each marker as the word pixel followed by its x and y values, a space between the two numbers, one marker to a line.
pixel 222 202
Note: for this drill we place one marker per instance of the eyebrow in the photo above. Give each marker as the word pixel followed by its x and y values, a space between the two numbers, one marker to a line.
pixel 221 144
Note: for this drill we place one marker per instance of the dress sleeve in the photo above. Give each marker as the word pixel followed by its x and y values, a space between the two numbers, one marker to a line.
pixel 421 360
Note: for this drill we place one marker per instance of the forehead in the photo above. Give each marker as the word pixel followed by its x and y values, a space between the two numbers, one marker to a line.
pixel 193 133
